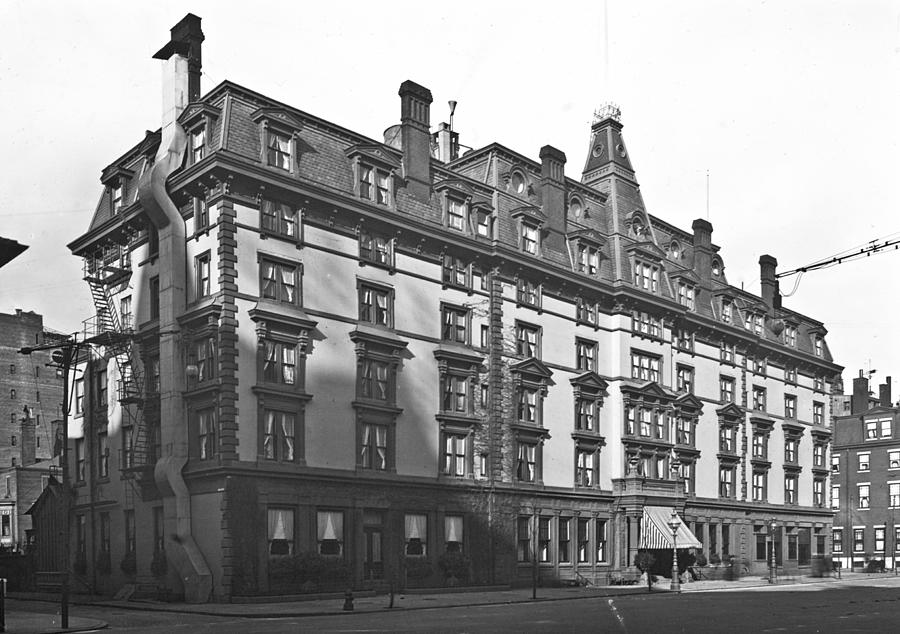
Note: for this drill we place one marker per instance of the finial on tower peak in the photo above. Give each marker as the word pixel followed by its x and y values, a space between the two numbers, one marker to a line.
pixel 608 110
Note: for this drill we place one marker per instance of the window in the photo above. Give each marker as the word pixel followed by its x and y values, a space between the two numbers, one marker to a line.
pixel 858 540
pixel 456 390
pixel 871 429
pixel 206 433
pixel 102 393
pixel 523 539
pixel 543 539
pixel 198 143
pixel 759 365
pixel 726 482
pixel 374 185
pixel 455 453
pixel 527 410
pixel 646 324
pixel 278 152
pixel 894 459
pixel 684 379
pixel 790 374
pixel 153 374
pixel 330 532
pixel 416 535
pixel 526 462
pixel 835 497
pixel 726 439
pixel 819 492
pixel 644 367
pixel 885 427
pixel 727 311
pixel 759 486
pixel 588 259
pixel 102 455
pixel 819 383
pixel 586 467
pixel 453 533
pixel 154 297
pixel 118 195
pixel 376 305
pixel 79 459
pixel 586 414
pixel 375 380
pixel 483 223
pixel 279 362
pixel 204 351
pixel 530 238
pixel 879 539
pixel 790 489
pixel 456 272
pixel 527 340
pixel 278 436
pixel 277 218
pixel 686 295
pixel 562 539
pixel 790 336
pixel 726 389
pixel 894 494
pixel 585 312
pixel 528 292
pixel 759 398
pixel 726 352
pixel 646 276
pixel 790 450
pixel 586 355
pixel 601 541
pixel 790 406
pixel 201 276
pixel 104 534
pixel 127 447
pixel 376 249
pixel 818 455
pixel 79 396
pixel 130 532
pixel 583 543
pixel 862 491
pixel 683 339
pixel 754 322
pixel 279 281
pixel 862 461
pixel 760 445
pixel 819 345
pixel 280 531
pixel 684 428
pixel 373 452
pixel 818 413
pixel 456 214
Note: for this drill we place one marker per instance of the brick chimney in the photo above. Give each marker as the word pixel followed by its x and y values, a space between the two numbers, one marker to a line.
pixel 703 249
pixel 884 393
pixel 769 283
pixel 859 402
pixel 553 194
pixel 447 142
pixel 186 38
pixel 415 138
pixel 28 439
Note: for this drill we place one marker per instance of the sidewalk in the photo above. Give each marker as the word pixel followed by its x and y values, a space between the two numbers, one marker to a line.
pixel 439 599
pixel 33 623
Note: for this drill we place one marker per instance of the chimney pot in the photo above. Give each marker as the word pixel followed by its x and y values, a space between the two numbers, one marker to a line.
pixel 769 283
pixel 415 138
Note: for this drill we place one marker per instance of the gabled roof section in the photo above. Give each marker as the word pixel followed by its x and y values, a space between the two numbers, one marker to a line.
pixel 650 388
pixel 589 380
pixel 878 410
pixel 278 116
pixel 196 110
pixel 532 366
pixel 730 411
pixel 377 154
pixel 689 401
pixel 588 235
pixel 529 211
pixel 646 249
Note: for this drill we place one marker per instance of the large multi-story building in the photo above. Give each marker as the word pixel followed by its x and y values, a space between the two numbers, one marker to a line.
pixel 408 364
pixel 30 410
pixel 865 478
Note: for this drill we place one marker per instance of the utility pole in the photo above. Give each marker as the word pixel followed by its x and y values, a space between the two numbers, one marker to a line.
pixel 65 354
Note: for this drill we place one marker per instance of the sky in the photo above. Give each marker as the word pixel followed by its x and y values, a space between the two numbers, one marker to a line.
pixel 777 121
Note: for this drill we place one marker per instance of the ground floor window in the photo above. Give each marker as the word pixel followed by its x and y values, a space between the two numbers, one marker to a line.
pixel 601 541
pixel 879 539
pixel 330 532
pixel 562 535
pixel 416 535
pixel 837 540
pixel 281 531
pixel 584 543
pixel 453 533
pixel 523 539
pixel 858 540
pixel 544 539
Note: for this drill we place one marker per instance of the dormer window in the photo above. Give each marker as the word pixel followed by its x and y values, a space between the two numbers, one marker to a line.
pixel 278 153
pixel 576 207
pixel 646 276
pixel 456 214
pixel 588 259
pixel 675 250
pixel 818 342
pixel 790 335
pixel 374 185
pixel 753 321
pixel 530 238
pixel 115 178
pixel 686 295
pixel 483 223
pixel 518 182
pixel 637 226
pixel 198 144
pixel 716 268
pixel 727 311
pixel 278 138
pixel 118 195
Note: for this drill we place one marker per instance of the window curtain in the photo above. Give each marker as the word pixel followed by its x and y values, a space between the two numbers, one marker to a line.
pixel 281 524
pixel 381 446
pixel 416 527
pixel 364 449
pixel 287 220
pixel 270 372
pixel 269 440
pixel 287 436
pixel 289 363
pixel 330 525
pixel 268 282
pixel 453 528
pixel 287 280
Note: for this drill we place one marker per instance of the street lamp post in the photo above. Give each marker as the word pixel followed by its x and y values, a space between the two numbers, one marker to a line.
pixel 772 527
pixel 674 523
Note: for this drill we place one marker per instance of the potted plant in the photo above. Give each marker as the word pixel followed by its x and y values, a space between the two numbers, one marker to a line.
pixel 715 559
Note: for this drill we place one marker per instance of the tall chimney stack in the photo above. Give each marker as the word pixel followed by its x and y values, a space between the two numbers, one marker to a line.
pixel 769 283
pixel 703 249
pixel 553 194
pixel 859 402
pixel 884 393
pixel 186 38
pixel 415 138
pixel 29 451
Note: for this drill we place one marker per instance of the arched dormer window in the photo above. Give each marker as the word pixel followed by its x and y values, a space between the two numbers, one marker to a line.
pixel 717 267
pixel 637 225
pixel 576 207
pixel 518 182
pixel 675 251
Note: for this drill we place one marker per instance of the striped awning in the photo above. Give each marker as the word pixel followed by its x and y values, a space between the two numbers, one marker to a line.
pixel 655 531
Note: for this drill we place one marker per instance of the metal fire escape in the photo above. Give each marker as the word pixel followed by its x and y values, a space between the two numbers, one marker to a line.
pixel 112 270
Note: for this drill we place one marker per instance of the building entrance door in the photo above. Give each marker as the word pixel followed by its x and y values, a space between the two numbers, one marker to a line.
pixel 374 562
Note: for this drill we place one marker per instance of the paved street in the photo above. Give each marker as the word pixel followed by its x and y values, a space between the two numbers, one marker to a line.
pixel 861 603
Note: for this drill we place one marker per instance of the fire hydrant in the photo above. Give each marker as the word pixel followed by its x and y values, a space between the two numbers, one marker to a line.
pixel 348 601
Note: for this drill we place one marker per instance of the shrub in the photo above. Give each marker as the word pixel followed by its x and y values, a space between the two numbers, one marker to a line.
pixel 418 568
pixel 644 561
pixel 700 559
pixel 129 564
pixel 875 565
pixel 714 558
pixel 454 565
pixel 159 565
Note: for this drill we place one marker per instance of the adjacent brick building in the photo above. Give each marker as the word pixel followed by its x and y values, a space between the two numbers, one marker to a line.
pixel 405 364
pixel 865 479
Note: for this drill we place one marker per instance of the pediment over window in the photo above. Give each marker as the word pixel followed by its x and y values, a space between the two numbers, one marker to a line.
pixel 454 186
pixel 377 155
pixel 150 144
pixel 529 212
pixel 689 402
pixel 204 316
pixel 279 118
pixel 685 274
pixel 647 250
pixel 532 367
pixel 650 389
pixel 459 356
pixel 820 434
pixel 589 381
pixel 730 411
pixel 115 173
pixel 365 336
pixel 589 236
pixel 761 424
pixel 196 111
pixel 793 430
